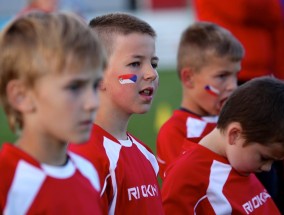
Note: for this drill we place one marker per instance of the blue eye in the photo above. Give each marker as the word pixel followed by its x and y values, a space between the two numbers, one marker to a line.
pixel 74 86
pixel 155 65
pixel 135 64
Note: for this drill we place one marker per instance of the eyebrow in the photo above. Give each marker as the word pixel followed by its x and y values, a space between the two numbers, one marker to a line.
pixel 142 57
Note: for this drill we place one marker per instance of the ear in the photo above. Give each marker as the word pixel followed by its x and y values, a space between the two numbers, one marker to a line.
pixel 186 76
pixel 19 97
pixel 234 132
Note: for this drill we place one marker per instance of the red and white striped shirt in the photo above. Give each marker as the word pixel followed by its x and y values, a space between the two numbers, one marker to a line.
pixel 128 172
pixel 29 187
pixel 171 137
pixel 203 182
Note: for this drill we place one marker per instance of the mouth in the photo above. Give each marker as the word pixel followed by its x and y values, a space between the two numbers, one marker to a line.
pixel 147 92
pixel 86 123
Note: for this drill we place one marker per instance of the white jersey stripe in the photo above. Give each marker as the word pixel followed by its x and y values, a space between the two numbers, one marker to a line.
pixel 87 169
pixel 148 155
pixel 112 150
pixel 194 127
pixel 20 197
pixel 219 173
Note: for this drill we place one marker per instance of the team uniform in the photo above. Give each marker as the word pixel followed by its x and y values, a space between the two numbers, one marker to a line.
pixel 29 187
pixel 171 137
pixel 203 182
pixel 128 173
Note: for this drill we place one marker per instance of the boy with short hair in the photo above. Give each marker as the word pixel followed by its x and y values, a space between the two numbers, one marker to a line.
pixel 208 61
pixel 50 69
pixel 127 168
pixel 216 175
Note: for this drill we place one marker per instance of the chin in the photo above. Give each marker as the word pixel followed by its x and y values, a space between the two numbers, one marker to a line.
pixel 142 111
pixel 81 138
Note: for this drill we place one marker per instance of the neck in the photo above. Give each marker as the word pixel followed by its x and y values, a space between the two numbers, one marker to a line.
pixel 113 122
pixel 43 149
pixel 214 141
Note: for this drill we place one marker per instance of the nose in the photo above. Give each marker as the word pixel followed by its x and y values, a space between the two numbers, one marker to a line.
pixel 92 101
pixel 267 166
pixel 150 74
pixel 232 83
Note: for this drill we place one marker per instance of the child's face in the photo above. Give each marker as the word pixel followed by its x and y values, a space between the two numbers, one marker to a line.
pixel 131 79
pixel 254 157
pixel 212 85
pixel 65 104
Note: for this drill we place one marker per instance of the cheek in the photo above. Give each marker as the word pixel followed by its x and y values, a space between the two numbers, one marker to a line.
pixel 244 162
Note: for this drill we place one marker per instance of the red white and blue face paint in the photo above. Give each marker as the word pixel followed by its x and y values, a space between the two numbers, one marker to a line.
pixel 212 90
pixel 127 79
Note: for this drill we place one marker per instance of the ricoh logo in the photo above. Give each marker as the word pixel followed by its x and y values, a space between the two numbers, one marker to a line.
pixel 256 202
pixel 143 191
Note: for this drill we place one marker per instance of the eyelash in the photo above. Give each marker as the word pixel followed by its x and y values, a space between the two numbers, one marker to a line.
pixel 74 86
pixel 137 64
pixel 97 84
pixel 265 158
pixel 155 65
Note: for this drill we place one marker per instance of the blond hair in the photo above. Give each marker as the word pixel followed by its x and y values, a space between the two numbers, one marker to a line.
pixel 39 43
pixel 202 40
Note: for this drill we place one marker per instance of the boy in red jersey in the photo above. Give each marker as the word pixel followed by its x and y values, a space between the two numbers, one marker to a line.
pixel 50 68
pixel 127 168
pixel 209 59
pixel 217 176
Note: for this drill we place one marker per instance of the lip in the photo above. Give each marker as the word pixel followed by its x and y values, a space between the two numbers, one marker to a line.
pixel 86 123
pixel 147 93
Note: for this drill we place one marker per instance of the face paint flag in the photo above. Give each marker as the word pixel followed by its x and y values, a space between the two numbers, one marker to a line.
pixel 127 79
pixel 213 91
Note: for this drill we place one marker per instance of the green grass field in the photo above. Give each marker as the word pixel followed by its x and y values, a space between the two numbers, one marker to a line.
pixel 144 126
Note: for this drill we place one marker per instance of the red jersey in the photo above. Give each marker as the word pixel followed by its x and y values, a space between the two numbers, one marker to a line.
pixel 128 173
pixel 203 182
pixel 171 137
pixel 29 187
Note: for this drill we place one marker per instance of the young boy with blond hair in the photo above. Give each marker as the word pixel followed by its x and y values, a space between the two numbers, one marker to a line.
pixel 217 176
pixel 208 61
pixel 127 168
pixel 50 69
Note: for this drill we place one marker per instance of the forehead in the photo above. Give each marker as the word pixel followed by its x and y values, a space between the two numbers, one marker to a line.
pixel 214 63
pixel 130 42
pixel 74 63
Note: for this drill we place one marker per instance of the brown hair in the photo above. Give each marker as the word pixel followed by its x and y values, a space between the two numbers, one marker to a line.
pixel 108 25
pixel 202 39
pixel 39 43
pixel 258 106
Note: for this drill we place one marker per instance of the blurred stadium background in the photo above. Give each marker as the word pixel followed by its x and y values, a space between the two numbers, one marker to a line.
pixel 167 17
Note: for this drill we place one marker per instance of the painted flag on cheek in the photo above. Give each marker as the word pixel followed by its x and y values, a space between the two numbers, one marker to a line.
pixel 211 90
pixel 127 79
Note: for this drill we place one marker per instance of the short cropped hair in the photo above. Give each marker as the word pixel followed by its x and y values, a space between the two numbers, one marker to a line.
pixel 258 106
pixel 202 40
pixel 109 25
pixel 39 43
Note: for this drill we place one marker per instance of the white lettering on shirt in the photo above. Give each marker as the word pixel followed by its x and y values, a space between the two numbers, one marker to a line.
pixel 256 202
pixel 143 191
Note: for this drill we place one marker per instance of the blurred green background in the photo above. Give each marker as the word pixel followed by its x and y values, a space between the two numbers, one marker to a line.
pixel 144 126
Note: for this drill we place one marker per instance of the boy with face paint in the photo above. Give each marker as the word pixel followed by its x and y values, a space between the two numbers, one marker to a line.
pixel 208 61
pixel 127 168
pixel 217 176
